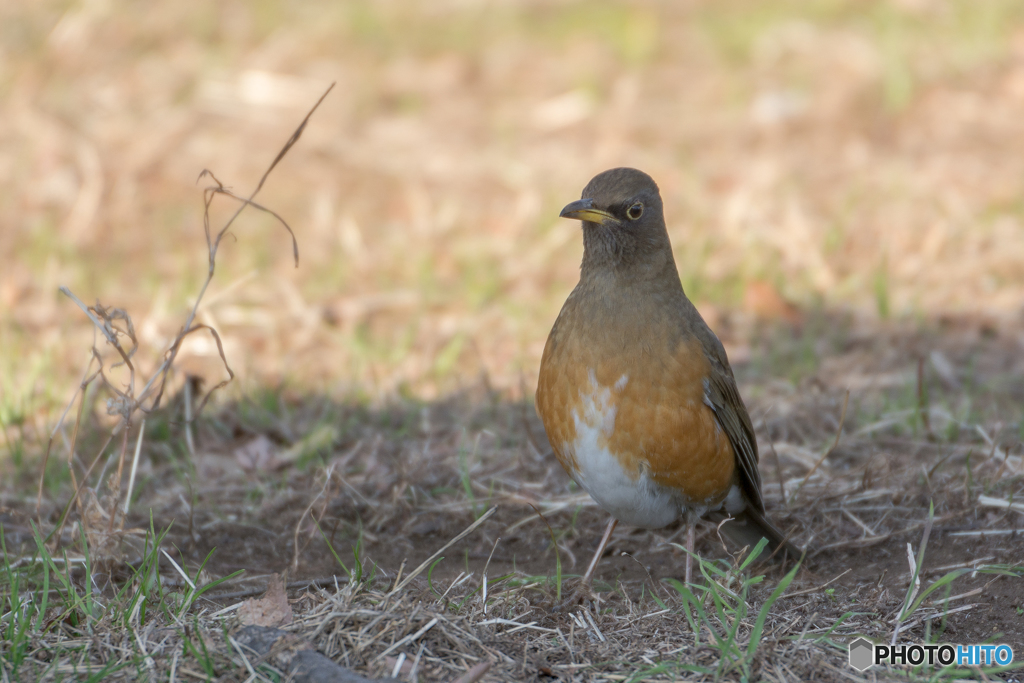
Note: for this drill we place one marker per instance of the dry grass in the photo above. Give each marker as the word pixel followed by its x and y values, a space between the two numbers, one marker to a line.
pixel 840 167
pixel 350 517
pixel 848 154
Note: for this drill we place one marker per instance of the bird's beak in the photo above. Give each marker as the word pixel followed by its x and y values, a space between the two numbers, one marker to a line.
pixel 583 210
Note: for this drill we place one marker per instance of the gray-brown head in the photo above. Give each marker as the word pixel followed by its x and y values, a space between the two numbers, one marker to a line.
pixel 623 225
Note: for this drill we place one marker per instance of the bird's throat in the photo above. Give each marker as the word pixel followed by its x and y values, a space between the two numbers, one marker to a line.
pixel 609 253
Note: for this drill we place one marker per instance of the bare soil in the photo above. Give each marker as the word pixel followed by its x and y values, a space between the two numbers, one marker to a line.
pixel 402 479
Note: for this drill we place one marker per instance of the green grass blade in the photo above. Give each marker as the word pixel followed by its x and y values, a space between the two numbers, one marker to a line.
pixel 944 581
pixel 333 552
pixel 430 576
pixel 755 633
pixel 753 554
pixel 45 597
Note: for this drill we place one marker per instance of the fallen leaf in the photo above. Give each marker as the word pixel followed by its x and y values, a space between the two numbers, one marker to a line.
pixel 765 302
pixel 272 609
pixel 405 669
pixel 258 455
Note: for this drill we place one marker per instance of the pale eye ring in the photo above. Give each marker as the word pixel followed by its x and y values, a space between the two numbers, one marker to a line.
pixel 634 212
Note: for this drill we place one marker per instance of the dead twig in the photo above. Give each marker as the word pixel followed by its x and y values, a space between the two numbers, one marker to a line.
pixel 115 324
pixel 426 563
pixel 839 432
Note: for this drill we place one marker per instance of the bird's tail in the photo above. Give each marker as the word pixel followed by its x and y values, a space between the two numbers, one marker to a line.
pixel 748 527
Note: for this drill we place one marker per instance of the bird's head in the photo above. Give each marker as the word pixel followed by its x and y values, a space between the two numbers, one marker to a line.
pixel 623 223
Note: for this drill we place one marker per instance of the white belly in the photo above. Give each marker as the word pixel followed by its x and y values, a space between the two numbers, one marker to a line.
pixel 639 502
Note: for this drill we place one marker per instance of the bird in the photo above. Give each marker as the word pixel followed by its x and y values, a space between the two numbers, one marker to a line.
pixel 635 391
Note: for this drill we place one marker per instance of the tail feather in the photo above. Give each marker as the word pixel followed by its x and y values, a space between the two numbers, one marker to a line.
pixel 748 527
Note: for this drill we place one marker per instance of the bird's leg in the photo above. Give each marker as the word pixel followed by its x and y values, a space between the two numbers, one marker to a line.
pixel 583 590
pixel 588 577
pixel 691 526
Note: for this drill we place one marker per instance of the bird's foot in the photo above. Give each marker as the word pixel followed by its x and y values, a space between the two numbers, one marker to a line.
pixel 583 592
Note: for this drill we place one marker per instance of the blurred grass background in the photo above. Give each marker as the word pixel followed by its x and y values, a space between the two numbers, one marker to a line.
pixel 857 155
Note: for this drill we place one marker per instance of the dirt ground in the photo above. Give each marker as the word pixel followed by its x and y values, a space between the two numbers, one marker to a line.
pixel 406 478
pixel 842 184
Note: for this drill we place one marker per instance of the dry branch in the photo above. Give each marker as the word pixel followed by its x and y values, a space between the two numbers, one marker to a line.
pixel 116 324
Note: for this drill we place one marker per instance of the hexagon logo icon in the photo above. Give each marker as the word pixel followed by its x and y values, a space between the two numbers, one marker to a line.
pixel 861 651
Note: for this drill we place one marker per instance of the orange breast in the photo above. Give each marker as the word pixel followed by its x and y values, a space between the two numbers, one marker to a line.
pixel 653 387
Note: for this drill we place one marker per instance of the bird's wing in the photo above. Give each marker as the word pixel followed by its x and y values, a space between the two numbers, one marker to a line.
pixel 723 397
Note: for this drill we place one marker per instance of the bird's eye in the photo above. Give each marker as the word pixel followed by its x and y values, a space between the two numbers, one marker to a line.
pixel 635 211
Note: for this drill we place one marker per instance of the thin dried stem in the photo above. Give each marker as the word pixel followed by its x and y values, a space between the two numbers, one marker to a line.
pixel 839 432
pixel 135 465
pixel 212 246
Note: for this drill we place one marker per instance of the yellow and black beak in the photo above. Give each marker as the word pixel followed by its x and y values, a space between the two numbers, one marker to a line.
pixel 583 210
